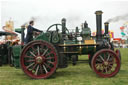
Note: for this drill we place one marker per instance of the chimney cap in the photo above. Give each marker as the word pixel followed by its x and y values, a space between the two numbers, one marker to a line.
pixel 106 23
pixel 63 19
pixel 99 12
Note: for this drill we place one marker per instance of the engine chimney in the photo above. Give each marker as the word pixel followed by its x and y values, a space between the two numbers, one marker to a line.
pixel 99 24
pixel 106 24
pixel 63 26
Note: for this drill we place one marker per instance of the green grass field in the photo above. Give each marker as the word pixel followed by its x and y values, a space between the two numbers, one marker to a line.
pixel 81 74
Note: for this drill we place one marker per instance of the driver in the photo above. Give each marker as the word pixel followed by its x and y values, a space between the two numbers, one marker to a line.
pixel 29 32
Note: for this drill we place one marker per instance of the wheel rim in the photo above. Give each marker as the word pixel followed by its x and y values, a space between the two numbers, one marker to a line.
pixel 118 53
pixel 39 59
pixel 106 63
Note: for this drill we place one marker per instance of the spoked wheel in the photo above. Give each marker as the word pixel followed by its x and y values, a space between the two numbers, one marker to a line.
pixel 105 63
pixel 39 59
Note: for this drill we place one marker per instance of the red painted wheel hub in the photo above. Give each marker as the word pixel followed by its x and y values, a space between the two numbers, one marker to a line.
pixel 105 63
pixel 39 59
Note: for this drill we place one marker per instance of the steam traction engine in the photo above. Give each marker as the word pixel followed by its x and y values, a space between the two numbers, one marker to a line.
pixel 50 50
pixel 4 48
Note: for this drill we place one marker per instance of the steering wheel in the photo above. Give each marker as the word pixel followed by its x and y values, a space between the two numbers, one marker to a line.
pixel 56 28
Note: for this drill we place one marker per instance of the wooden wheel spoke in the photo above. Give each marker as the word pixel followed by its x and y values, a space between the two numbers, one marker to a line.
pixel 37 69
pixel 30 61
pixel 98 60
pixel 112 62
pixel 47 65
pixel 106 69
pixel 105 56
pixel 42 46
pixel 45 69
pixel 50 58
pixel 38 49
pixel 101 57
pixel 32 54
pixel 33 48
pixel 28 56
pixel 44 52
pixel 34 67
pixel 108 57
pixel 110 66
pixel 41 69
pixel 30 65
pixel 48 54
pixel 98 65
pixel 50 62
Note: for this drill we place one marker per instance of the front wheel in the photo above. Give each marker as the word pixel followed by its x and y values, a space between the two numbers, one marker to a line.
pixel 105 63
pixel 39 59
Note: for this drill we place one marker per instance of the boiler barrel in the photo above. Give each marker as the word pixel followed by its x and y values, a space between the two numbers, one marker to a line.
pixel 78 49
pixel 87 49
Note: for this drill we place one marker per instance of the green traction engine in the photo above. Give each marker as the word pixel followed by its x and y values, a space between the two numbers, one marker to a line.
pixel 50 50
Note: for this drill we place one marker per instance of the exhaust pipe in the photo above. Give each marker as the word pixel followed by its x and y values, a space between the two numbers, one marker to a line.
pixel 106 24
pixel 63 26
pixel 99 25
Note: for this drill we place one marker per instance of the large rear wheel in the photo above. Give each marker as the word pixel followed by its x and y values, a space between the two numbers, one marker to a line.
pixel 105 63
pixel 39 59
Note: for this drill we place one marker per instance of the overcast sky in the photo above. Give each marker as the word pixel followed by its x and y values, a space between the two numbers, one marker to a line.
pixel 48 12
